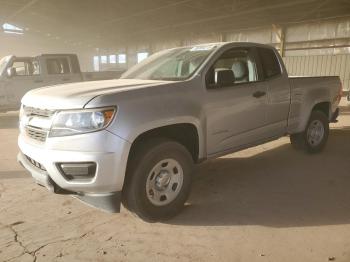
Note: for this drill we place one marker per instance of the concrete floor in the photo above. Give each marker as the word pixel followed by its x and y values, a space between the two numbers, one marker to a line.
pixel 268 203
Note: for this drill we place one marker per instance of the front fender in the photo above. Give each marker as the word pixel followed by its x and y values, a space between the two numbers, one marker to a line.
pixel 144 127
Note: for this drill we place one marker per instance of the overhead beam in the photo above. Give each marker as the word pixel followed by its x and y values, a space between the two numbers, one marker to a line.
pixel 232 14
pixel 20 10
pixel 226 16
pixel 179 32
pixel 224 28
pixel 144 12
pixel 315 10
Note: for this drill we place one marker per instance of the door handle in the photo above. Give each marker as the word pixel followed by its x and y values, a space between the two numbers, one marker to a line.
pixel 259 94
pixel 38 81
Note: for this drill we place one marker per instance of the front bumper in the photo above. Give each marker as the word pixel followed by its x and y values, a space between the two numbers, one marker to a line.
pixel 107 150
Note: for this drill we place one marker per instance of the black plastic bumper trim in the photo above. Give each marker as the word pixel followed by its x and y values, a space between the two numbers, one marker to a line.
pixel 110 203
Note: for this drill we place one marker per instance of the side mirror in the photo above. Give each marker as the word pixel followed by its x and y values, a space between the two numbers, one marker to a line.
pixel 11 72
pixel 224 77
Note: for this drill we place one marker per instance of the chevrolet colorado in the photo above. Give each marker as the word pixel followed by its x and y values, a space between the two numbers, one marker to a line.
pixel 135 140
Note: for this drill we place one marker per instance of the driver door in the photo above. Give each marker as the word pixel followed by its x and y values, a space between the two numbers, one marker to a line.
pixel 236 113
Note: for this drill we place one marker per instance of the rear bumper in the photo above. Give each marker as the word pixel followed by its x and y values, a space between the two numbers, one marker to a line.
pixel 108 151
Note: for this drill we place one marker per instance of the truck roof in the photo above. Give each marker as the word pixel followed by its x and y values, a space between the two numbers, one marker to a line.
pixel 220 44
pixel 57 55
pixel 41 55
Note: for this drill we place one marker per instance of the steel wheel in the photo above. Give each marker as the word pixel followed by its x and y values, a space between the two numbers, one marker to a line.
pixel 314 138
pixel 315 133
pixel 164 182
pixel 158 180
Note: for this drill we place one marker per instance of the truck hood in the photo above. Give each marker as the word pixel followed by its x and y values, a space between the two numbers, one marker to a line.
pixel 77 95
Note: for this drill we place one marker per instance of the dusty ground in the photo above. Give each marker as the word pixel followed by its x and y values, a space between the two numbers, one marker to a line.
pixel 268 203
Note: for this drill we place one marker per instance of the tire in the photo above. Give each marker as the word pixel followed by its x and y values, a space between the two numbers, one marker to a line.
pixel 153 189
pixel 297 141
pixel 315 136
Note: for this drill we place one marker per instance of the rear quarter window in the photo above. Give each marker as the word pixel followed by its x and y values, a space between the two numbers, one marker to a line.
pixel 270 64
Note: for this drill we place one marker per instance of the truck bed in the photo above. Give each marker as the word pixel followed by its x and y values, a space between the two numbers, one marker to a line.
pixel 315 86
pixel 306 91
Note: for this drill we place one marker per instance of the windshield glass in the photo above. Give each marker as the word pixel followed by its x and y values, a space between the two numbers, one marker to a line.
pixel 3 63
pixel 173 65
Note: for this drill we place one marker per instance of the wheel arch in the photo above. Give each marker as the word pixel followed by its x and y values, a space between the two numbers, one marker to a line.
pixel 186 133
pixel 305 113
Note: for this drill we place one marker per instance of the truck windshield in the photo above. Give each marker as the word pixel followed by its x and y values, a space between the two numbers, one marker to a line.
pixel 172 65
pixel 3 63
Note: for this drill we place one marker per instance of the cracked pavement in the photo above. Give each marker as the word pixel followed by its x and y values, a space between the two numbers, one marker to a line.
pixel 17 241
pixel 268 203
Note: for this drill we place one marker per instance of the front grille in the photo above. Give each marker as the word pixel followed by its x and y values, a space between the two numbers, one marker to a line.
pixel 35 163
pixel 36 133
pixel 31 111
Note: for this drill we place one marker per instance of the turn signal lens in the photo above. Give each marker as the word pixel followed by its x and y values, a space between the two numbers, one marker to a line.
pixel 108 115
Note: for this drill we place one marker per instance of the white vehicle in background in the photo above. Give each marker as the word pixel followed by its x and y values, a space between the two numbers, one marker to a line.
pixel 18 75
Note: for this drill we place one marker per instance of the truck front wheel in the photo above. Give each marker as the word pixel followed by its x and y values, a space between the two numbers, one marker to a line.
pixel 315 136
pixel 158 180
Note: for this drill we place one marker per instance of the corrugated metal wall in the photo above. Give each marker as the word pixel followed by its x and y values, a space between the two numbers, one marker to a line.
pixel 320 65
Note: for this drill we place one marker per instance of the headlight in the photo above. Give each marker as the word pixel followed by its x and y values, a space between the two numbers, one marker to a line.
pixel 67 123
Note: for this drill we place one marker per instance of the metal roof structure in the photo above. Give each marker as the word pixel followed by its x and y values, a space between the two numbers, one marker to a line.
pixel 124 21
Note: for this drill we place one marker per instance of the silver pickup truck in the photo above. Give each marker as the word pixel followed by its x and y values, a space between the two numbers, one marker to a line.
pixel 135 140
pixel 18 75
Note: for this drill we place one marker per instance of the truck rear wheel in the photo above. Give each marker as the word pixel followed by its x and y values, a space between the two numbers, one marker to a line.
pixel 315 136
pixel 158 180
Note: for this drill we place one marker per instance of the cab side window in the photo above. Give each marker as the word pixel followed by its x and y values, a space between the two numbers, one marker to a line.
pixel 56 66
pixel 21 68
pixel 270 65
pixel 36 67
pixel 26 67
pixel 242 64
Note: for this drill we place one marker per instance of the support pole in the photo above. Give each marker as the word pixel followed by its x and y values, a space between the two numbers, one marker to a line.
pixel 282 41
pixel 280 32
